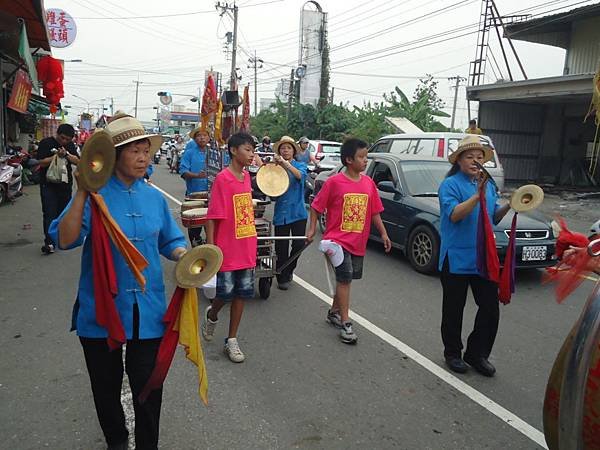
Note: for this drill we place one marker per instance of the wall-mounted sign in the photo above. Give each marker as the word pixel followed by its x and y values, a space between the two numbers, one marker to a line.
pixel 21 92
pixel 61 27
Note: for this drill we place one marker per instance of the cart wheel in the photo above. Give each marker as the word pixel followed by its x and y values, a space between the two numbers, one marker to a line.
pixel 264 287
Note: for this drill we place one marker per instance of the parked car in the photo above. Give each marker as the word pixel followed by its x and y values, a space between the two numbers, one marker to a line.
pixel 435 144
pixel 326 152
pixel 408 186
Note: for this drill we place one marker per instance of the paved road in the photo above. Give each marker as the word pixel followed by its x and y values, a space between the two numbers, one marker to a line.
pixel 299 387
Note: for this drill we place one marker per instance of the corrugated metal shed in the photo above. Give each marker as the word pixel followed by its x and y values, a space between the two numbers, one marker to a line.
pixel 516 129
pixel 583 55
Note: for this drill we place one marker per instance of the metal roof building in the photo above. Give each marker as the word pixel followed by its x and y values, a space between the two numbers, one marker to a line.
pixel 537 124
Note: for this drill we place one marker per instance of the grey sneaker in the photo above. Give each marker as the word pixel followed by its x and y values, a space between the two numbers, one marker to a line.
pixel 208 326
pixel 347 334
pixel 334 318
pixel 232 349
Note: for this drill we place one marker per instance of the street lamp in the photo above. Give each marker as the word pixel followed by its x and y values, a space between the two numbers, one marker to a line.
pixel 81 98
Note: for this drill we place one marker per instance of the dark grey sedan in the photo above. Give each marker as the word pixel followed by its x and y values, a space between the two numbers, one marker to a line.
pixel 408 188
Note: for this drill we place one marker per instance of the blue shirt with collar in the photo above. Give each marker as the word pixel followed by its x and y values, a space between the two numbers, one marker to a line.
pixel 144 216
pixel 194 161
pixel 459 239
pixel 290 207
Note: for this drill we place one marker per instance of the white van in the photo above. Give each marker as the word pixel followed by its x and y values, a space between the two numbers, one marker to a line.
pixel 435 144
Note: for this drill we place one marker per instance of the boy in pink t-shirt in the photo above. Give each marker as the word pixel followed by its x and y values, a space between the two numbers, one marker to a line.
pixel 352 203
pixel 230 226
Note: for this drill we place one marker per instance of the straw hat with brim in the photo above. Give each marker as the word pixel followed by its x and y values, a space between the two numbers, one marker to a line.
pixel 526 198
pixel 286 140
pixel 197 130
pixel 127 129
pixel 471 142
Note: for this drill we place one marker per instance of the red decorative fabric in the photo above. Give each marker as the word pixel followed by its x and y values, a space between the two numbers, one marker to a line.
pixel 105 282
pixel 166 351
pixel 507 278
pixel 487 255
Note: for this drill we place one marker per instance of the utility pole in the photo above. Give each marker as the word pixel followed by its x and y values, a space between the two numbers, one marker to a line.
pixel 458 80
pixel 255 61
pixel 224 7
pixel 290 95
pixel 112 106
pixel 137 88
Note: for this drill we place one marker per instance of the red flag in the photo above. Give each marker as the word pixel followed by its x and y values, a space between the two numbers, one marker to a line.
pixel 245 125
pixel 105 282
pixel 209 99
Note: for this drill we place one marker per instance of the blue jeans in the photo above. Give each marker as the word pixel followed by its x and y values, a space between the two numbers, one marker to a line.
pixel 235 284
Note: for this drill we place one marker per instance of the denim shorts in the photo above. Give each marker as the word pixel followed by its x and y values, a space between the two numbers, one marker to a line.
pixel 350 269
pixel 235 284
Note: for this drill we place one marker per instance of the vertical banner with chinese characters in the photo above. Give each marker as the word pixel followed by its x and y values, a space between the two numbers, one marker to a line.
pixel 21 92
pixel 61 27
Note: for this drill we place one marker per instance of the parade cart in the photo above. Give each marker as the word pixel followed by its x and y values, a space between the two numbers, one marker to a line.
pixel 266 258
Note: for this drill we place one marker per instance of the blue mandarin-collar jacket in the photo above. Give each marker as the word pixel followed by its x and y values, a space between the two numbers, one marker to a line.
pixel 289 207
pixel 459 240
pixel 194 161
pixel 143 215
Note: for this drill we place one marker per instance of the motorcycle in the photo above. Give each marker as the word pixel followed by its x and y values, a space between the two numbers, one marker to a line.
pixel 157 157
pixel 11 185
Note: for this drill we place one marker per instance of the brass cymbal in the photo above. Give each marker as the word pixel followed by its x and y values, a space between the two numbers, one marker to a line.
pixel 273 180
pixel 97 161
pixel 198 265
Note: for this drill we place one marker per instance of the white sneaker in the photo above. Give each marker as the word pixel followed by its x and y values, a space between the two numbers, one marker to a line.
pixel 347 334
pixel 208 326
pixel 232 349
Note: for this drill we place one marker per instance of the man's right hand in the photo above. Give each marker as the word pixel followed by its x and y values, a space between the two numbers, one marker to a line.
pixel 201 175
pixel 310 234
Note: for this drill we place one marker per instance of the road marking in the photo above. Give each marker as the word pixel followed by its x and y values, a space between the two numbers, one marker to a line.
pixel 499 411
pixel 502 413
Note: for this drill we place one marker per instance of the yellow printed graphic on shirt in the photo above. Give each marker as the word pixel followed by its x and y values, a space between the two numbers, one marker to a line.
pixel 244 216
pixel 354 212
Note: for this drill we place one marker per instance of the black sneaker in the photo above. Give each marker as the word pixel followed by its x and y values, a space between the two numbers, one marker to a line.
pixel 48 249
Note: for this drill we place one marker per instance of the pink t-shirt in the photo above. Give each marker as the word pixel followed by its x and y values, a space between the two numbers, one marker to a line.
pixel 230 206
pixel 350 206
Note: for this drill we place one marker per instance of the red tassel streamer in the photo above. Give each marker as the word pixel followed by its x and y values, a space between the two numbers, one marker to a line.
pixel 105 282
pixel 507 279
pixel 167 348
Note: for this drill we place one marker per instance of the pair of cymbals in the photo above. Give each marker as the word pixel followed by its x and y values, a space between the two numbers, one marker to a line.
pixel 198 265
pixel 97 161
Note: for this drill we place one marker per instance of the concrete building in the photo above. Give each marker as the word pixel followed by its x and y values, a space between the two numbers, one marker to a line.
pixel 537 125
pixel 313 32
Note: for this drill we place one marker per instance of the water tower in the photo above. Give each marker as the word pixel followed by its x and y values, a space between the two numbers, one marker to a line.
pixel 313 38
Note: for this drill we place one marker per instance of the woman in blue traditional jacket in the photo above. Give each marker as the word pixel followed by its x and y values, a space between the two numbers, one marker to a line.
pixel 290 214
pixel 459 211
pixel 143 215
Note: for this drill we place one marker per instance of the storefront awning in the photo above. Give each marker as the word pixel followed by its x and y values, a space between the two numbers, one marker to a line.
pixel 34 15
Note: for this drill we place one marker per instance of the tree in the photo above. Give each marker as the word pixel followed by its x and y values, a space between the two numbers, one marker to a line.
pixel 428 87
pixel 370 122
pixel 419 112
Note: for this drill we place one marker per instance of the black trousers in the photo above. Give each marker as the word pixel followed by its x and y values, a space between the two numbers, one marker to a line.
pixel 105 369
pixel 195 236
pixel 481 340
pixel 55 197
pixel 282 248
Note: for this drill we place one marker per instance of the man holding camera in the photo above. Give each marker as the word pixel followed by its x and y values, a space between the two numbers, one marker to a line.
pixel 56 194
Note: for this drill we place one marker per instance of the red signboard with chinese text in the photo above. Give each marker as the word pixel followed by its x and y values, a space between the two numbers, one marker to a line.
pixel 21 92
pixel 61 28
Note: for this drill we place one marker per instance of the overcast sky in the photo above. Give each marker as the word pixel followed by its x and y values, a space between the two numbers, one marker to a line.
pixel 119 43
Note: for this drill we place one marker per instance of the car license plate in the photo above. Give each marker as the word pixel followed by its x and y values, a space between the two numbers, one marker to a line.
pixel 334 158
pixel 534 253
